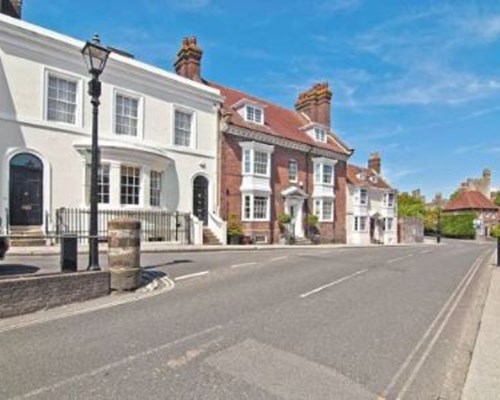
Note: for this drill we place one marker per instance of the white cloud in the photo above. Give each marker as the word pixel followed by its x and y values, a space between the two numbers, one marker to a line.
pixel 422 49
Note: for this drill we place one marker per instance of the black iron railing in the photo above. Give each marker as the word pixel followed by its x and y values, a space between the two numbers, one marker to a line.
pixel 156 225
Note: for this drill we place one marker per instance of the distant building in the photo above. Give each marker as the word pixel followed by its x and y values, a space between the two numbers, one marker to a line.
pixel 371 205
pixel 475 201
pixel 482 184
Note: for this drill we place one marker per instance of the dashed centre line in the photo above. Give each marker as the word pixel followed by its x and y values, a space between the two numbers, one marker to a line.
pixel 248 264
pixel 399 258
pixel 329 285
pixel 189 276
pixel 279 258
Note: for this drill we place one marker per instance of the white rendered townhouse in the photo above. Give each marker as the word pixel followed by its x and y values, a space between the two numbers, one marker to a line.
pixel 157 134
pixel 371 205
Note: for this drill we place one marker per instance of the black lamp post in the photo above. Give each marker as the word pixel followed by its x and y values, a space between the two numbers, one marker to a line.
pixel 95 56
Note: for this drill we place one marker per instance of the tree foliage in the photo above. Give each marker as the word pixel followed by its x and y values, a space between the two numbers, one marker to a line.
pixel 497 199
pixel 455 194
pixel 410 206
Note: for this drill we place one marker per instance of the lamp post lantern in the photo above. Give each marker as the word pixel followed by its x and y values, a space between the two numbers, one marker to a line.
pixel 96 56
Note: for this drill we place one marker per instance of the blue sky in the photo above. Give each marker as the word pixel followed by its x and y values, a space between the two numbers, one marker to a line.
pixel 418 81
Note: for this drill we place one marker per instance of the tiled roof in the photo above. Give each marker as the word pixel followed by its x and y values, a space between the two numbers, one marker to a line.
pixel 470 200
pixel 279 121
pixel 353 178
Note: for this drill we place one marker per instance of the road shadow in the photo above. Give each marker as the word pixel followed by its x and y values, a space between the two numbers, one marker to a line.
pixel 7 270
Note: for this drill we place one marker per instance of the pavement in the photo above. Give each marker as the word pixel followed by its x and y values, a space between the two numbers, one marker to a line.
pixel 483 378
pixel 373 323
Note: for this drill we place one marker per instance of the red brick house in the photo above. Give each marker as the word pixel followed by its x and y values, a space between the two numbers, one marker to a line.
pixel 476 202
pixel 276 160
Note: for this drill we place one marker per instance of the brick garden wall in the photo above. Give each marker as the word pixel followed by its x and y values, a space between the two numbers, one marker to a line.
pixel 410 230
pixel 22 295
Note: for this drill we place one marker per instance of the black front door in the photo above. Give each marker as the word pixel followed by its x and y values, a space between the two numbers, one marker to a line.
pixel 26 190
pixel 200 199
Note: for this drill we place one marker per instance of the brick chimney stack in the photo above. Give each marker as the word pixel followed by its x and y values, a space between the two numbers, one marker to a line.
pixel 12 8
pixel 375 162
pixel 188 63
pixel 316 103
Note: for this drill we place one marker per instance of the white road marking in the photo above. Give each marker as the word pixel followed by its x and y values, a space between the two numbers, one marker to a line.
pixel 436 336
pixel 399 258
pixel 279 258
pixel 108 367
pixel 189 276
pixel 420 343
pixel 248 264
pixel 345 278
pixel 426 252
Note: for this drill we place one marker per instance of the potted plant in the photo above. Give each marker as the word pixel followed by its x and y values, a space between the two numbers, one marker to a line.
pixel 234 229
pixel 284 219
pixel 313 231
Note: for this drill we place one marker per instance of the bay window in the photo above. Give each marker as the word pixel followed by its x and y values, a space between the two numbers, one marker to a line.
pixel 256 159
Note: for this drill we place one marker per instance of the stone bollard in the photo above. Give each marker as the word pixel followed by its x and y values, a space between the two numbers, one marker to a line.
pixel 124 254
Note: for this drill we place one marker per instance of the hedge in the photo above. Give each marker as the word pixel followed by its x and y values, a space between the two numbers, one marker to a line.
pixel 460 226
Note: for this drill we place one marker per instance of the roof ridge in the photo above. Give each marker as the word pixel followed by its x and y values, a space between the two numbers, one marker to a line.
pixel 260 99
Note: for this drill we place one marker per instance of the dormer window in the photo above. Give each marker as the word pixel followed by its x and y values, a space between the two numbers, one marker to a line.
pixel 361 176
pixel 254 114
pixel 320 134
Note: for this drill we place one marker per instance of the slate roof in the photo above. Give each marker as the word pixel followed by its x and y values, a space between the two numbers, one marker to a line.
pixel 353 178
pixel 470 200
pixel 279 121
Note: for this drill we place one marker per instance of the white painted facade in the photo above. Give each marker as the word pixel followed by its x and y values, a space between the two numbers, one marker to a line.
pixel 29 55
pixel 371 219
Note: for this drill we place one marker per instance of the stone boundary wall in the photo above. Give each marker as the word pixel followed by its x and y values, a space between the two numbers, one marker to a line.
pixel 410 230
pixel 26 294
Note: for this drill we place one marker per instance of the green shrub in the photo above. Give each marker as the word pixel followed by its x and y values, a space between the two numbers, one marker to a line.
pixel 234 227
pixel 284 218
pixel 312 220
pixel 460 226
pixel 495 231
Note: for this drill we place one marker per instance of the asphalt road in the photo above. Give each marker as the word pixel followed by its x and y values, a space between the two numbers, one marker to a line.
pixel 290 324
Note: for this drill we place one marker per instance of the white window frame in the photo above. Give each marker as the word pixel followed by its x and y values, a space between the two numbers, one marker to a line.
pixel 251 197
pixel 293 178
pixel 319 209
pixel 194 127
pixel 387 197
pixel 47 72
pixel 320 134
pixel 104 166
pixel 360 197
pixel 319 171
pixel 357 223
pixel 141 186
pixel 156 191
pixel 386 224
pixel 140 113
pixel 255 109
pixel 249 149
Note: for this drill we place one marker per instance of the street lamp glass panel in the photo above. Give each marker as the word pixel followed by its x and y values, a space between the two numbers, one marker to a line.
pixel 95 55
